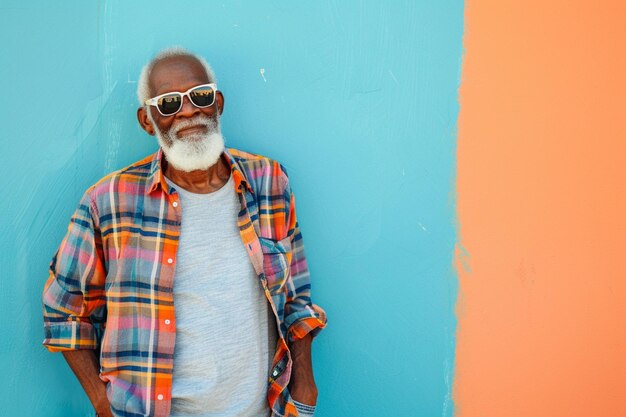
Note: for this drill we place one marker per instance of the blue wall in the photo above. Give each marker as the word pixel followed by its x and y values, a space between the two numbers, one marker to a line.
pixel 358 99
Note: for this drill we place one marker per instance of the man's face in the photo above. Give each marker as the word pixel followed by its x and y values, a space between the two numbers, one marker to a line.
pixel 191 139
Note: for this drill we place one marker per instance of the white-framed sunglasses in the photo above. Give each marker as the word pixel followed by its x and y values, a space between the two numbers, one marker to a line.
pixel 170 103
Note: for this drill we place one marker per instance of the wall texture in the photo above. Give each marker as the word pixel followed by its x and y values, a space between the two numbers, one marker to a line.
pixel 356 98
pixel 541 167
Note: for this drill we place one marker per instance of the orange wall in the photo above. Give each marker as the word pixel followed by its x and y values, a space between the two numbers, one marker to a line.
pixel 542 210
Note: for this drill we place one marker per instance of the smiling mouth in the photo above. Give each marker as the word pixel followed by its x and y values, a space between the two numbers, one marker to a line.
pixel 191 130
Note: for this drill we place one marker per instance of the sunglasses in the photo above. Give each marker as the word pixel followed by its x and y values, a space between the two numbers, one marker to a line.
pixel 170 103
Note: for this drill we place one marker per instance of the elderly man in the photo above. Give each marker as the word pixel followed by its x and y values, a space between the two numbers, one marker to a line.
pixel 181 287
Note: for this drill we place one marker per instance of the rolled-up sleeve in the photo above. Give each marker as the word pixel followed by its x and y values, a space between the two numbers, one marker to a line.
pixel 302 317
pixel 74 293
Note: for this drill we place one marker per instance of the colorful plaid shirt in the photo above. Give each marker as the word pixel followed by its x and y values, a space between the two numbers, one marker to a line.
pixel 111 281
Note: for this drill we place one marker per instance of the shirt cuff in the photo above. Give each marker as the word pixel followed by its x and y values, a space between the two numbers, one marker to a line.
pixel 312 320
pixel 69 335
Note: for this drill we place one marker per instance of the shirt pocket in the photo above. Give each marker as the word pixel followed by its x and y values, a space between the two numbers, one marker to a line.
pixel 276 262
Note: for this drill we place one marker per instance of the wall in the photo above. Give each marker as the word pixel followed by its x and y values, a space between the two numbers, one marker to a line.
pixel 356 98
pixel 541 166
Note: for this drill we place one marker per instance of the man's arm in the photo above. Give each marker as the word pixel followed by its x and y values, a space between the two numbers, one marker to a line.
pixel 304 319
pixel 73 294
pixel 86 366
pixel 302 384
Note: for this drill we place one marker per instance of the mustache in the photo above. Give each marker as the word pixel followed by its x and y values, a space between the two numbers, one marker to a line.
pixel 201 120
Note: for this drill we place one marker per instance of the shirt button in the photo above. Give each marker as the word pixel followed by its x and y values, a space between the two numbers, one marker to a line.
pixel 160 396
pixel 167 321
pixel 175 203
pixel 170 260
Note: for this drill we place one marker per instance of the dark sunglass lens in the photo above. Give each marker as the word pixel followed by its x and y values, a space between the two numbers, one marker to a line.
pixel 169 104
pixel 202 96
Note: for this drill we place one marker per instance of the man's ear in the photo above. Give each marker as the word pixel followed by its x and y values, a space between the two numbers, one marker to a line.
pixel 220 101
pixel 144 120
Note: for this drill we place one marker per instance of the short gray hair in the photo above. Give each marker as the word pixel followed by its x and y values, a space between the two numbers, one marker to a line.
pixel 143 86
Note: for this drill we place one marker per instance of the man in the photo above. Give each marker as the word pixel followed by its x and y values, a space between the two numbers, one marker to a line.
pixel 181 287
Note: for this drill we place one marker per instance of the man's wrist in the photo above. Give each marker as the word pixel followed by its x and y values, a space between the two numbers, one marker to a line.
pixel 103 407
pixel 302 385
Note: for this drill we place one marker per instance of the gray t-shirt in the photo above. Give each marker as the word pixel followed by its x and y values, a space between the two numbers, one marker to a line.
pixel 225 330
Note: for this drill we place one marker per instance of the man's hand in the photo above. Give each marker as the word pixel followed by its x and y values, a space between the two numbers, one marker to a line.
pixel 86 367
pixel 302 384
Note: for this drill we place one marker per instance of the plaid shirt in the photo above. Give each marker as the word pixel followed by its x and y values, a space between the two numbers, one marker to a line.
pixel 111 280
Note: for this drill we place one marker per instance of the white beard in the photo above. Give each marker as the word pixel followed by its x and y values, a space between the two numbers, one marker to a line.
pixel 193 152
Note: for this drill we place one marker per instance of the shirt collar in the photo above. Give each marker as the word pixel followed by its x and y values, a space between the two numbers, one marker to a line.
pixel 238 174
pixel 156 178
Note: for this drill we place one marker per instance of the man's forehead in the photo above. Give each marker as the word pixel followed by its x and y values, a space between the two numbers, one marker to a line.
pixel 173 71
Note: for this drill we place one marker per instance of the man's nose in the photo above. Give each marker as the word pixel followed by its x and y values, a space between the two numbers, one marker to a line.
pixel 187 108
